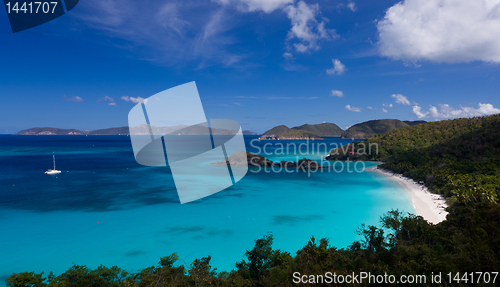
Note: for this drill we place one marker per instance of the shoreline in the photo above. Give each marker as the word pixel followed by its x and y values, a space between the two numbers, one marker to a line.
pixel 428 205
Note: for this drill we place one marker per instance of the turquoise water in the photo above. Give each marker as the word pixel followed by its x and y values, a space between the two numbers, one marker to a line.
pixel 106 209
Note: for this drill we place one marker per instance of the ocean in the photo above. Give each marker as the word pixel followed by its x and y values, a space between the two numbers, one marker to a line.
pixel 104 208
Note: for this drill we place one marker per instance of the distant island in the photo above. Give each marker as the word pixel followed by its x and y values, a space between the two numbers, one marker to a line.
pixel 303 132
pixel 56 131
pixel 363 130
pixel 372 128
pixel 247 132
pixel 291 135
pixel 307 131
pixel 193 130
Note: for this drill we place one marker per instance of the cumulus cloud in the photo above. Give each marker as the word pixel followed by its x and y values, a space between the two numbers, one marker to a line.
pixel 445 111
pixel 417 110
pixel 387 105
pixel 337 93
pixel 384 110
pixel 73 99
pixel 110 100
pixel 353 109
pixel 306 28
pixel 400 99
pixel 448 31
pixel 134 100
pixel 338 68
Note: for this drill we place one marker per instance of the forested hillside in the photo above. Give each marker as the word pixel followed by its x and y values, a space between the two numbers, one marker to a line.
pixel 323 130
pixel 318 130
pixel 371 128
pixel 457 158
pixel 278 130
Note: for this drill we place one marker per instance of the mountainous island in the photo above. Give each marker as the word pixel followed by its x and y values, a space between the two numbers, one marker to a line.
pixel 247 132
pixel 56 131
pixel 371 128
pixel 303 132
pixel 359 131
pixel 307 131
pixel 192 130
pixel 322 130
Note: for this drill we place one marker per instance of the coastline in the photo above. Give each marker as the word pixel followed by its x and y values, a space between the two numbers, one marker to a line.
pixel 428 205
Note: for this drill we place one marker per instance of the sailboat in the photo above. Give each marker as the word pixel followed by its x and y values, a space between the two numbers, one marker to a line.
pixel 53 171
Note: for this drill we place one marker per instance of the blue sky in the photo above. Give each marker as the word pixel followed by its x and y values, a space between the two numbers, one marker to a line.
pixel 260 62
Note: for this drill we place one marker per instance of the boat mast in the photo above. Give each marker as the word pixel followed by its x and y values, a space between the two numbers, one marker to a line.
pixel 54 159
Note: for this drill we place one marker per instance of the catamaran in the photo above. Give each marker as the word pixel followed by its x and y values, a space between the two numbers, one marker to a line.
pixel 53 171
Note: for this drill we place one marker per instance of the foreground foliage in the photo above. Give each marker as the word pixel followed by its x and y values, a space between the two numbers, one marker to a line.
pixel 458 158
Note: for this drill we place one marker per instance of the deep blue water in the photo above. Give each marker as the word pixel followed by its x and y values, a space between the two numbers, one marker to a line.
pixel 104 208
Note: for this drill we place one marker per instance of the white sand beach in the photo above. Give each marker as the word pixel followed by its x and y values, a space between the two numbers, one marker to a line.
pixel 428 205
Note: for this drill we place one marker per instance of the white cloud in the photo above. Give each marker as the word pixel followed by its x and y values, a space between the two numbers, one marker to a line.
pixel 134 100
pixel 266 6
pixel 448 31
pixel 384 110
pixel 246 97
pixel 445 111
pixel 371 108
pixel 108 99
pixel 353 109
pixel 211 43
pixel 169 17
pixel 417 110
pixel 287 55
pixel 166 32
pixel 160 29
pixel 338 68
pixel 387 105
pixel 337 93
pixel 400 99
pixel 305 28
pixel 198 32
pixel 73 99
pixel 351 5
